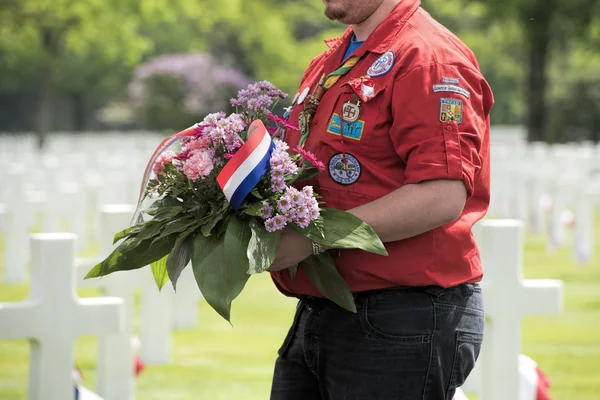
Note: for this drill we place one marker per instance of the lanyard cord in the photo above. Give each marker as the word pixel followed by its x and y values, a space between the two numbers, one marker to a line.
pixel 311 104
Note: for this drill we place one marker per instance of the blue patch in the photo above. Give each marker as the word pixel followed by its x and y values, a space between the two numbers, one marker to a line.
pixel 352 131
pixel 382 65
pixel 344 169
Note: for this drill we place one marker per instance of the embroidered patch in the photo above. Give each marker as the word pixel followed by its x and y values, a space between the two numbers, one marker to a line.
pixel 452 89
pixel 344 170
pixel 452 81
pixel 352 131
pixel 382 65
pixel 451 110
pixel 303 95
pixel 302 122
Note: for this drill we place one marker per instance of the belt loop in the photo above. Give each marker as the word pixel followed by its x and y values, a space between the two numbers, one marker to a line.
pixel 468 289
pixel 435 291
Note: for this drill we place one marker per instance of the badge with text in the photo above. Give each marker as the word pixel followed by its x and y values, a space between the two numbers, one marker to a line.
pixel 352 131
pixel 451 110
pixel 344 169
pixel 382 65
pixel 451 89
pixel 452 81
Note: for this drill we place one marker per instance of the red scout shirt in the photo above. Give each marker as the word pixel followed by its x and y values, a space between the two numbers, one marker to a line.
pixel 428 119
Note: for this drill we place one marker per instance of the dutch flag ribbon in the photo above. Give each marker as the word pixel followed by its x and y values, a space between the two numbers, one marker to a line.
pixel 249 164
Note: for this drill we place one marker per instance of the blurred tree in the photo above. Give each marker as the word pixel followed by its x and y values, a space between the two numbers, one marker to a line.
pixel 177 90
pixel 545 23
pixel 77 47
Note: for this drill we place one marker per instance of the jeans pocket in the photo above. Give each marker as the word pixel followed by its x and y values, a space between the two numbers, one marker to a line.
pixel 290 335
pixel 468 346
pixel 399 316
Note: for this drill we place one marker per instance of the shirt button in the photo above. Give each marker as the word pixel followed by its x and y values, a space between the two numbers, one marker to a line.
pixel 449 127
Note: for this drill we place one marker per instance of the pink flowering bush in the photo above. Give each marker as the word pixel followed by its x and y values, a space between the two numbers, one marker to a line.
pixel 194 216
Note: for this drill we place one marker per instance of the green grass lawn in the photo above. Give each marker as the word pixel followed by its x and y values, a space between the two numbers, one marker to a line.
pixel 216 361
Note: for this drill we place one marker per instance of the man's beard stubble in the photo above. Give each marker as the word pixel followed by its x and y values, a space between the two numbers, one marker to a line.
pixel 335 13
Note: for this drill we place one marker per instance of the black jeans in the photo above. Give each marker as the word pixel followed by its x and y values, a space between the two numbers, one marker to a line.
pixel 402 344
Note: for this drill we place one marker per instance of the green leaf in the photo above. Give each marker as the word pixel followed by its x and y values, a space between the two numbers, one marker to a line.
pixel 252 209
pixel 167 213
pixel 220 265
pixel 213 220
pixel 127 232
pixel 149 230
pixel 262 247
pixel 340 229
pixel 208 260
pixel 179 258
pixel 237 264
pixel 177 226
pixel 159 270
pixel 322 272
pixel 124 259
pixel 304 174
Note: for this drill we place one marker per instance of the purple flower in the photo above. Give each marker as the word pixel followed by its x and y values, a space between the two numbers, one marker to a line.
pixel 266 211
pixel 276 223
pixel 258 96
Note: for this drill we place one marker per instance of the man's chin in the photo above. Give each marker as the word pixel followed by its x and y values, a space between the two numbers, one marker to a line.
pixel 335 14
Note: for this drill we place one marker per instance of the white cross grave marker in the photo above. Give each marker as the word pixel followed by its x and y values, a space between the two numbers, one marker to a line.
pixel 583 236
pixel 53 316
pixel 116 370
pixel 156 316
pixel 17 217
pixel 507 298
pixel 185 313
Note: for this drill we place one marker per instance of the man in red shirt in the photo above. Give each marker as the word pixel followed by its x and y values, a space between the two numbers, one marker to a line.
pixel 399 111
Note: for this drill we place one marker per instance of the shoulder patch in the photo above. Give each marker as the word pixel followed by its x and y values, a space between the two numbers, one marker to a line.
pixel 452 81
pixel 451 110
pixel 451 89
pixel 382 65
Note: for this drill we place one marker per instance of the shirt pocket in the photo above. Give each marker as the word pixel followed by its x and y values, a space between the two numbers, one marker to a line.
pixel 347 158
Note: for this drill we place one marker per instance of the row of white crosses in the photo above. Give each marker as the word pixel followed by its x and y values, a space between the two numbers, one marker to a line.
pixel 115 364
pixel 554 189
pixel 53 317
pixel 66 183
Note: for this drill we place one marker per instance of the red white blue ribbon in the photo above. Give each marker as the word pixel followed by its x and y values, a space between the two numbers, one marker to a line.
pixel 246 168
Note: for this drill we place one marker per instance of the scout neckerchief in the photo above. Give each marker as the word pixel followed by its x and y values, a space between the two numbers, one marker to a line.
pixel 311 104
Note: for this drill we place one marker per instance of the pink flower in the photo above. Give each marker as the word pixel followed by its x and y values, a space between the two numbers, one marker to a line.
pixel 159 165
pixel 198 144
pixel 310 158
pixel 199 165
pixel 271 130
pixel 281 121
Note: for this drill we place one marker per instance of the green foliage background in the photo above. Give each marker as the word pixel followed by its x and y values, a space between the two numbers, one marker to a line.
pixel 87 49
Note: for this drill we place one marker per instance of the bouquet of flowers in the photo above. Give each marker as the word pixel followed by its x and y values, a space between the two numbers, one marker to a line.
pixel 222 200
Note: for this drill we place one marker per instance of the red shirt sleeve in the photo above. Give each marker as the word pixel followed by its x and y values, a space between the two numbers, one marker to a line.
pixel 441 113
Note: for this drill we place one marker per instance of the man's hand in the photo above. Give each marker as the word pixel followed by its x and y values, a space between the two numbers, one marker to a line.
pixel 293 248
